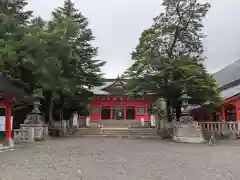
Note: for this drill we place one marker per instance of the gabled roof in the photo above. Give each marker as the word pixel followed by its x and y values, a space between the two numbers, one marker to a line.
pixel 230 92
pixel 6 87
pixel 228 75
pixel 111 86
pixel 228 80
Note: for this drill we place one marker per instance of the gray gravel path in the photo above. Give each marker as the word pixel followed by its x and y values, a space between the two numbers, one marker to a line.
pixel 119 159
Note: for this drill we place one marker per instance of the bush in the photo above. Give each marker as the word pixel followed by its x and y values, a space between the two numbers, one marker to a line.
pixel 227 134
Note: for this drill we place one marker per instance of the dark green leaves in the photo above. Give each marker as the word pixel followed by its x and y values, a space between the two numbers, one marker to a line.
pixel 169 58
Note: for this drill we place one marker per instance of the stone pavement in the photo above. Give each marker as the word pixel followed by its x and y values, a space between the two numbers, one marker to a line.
pixel 101 158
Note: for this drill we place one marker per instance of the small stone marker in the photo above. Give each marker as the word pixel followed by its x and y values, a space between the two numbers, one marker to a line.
pixel 142 122
pixel 153 121
pixel 88 121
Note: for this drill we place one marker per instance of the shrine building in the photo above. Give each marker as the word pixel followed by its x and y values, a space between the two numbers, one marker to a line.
pixel 111 102
pixel 9 93
pixel 228 81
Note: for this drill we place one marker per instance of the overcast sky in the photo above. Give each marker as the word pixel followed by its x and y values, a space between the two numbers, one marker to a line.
pixel 117 25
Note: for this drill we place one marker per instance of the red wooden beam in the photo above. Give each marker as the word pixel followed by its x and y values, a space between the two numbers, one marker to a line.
pixel 231 99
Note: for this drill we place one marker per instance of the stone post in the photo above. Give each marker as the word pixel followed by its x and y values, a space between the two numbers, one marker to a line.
pixel 38 133
pixel 45 130
pixel 30 134
pixel 161 109
pixel 88 122
pixel 153 120
pixel 142 122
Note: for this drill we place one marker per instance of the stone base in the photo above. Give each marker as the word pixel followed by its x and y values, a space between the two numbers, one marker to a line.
pixel 6 145
pixel 188 133
pixel 11 143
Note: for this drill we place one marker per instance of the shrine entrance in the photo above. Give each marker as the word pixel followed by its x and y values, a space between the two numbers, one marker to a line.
pixel 118 112
pixel 230 112
pixel 106 112
pixel 130 112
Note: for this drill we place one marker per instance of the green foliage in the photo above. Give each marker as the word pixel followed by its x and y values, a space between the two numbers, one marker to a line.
pixel 168 58
pixel 13 26
pixel 79 70
pixel 78 65
pixel 56 58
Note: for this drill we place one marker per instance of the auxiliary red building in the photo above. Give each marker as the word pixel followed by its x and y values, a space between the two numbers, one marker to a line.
pixel 8 93
pixel 110 102
pixel 228 81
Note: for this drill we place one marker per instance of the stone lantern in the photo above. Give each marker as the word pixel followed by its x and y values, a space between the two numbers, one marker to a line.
pixel 186 131
pixel 185 114
pixel 35 119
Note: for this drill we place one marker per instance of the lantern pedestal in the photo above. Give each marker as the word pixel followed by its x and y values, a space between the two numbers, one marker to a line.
pixel 188 133
pixel 187 130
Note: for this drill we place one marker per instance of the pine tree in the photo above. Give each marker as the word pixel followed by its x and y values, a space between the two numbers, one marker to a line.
pixel 80 70
pixel 80 37
pixel 13 26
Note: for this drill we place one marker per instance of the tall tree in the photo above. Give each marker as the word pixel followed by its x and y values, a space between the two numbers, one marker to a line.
pixel 62 60
pixel 168 58
pixel 44 49
pixel 80 37
pixel 55 58
pixel 80 65
pixel 13 26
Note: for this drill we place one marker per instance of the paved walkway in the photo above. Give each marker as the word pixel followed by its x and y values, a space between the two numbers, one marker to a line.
pixel 119 159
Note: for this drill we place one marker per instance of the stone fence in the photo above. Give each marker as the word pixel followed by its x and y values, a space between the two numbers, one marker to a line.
pixel 26 135
pixel 220 126
pixel 30 132
pixel 61 124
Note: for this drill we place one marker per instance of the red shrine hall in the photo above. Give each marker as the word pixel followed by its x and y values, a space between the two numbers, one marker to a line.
pixel 110 102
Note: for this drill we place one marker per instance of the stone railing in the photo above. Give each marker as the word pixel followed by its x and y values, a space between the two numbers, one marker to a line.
pixel 30 132
pixel 219 126
pixel 23 134
pixel 61 124
pixel 39 129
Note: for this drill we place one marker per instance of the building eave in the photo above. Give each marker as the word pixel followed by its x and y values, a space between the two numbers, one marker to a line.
pixel 8 89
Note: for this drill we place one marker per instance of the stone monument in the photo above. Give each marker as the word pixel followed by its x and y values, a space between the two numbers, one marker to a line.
pixel 164 127
pixel 35 119
pixel 187 130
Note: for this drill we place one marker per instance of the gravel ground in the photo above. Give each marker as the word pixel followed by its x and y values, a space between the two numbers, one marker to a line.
pixel 119 159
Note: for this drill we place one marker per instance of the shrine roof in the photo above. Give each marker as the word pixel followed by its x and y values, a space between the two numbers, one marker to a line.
pixel 228 80
pixel 111 87
pixel 8 88
pixel 228 74
pixel 230 92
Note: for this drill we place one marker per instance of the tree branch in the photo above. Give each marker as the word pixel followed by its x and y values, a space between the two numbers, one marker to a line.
pixel 170 52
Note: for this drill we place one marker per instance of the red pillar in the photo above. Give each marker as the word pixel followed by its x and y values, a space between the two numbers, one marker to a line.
pixel 8 112
pixel 100 113
pixel 111 108
pixel 223 116
pixel 237 113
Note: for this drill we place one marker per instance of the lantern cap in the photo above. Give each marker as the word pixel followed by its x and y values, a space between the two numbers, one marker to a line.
pixel 184 96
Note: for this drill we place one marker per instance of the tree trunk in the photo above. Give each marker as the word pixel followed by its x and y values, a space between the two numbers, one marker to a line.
pixel 61 108
pixel 169 112
pixel 159 117
pixel 48 106
pixel 178 110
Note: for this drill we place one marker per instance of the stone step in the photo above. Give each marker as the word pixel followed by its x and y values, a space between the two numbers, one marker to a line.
pixel 119 123
pixel 117 131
